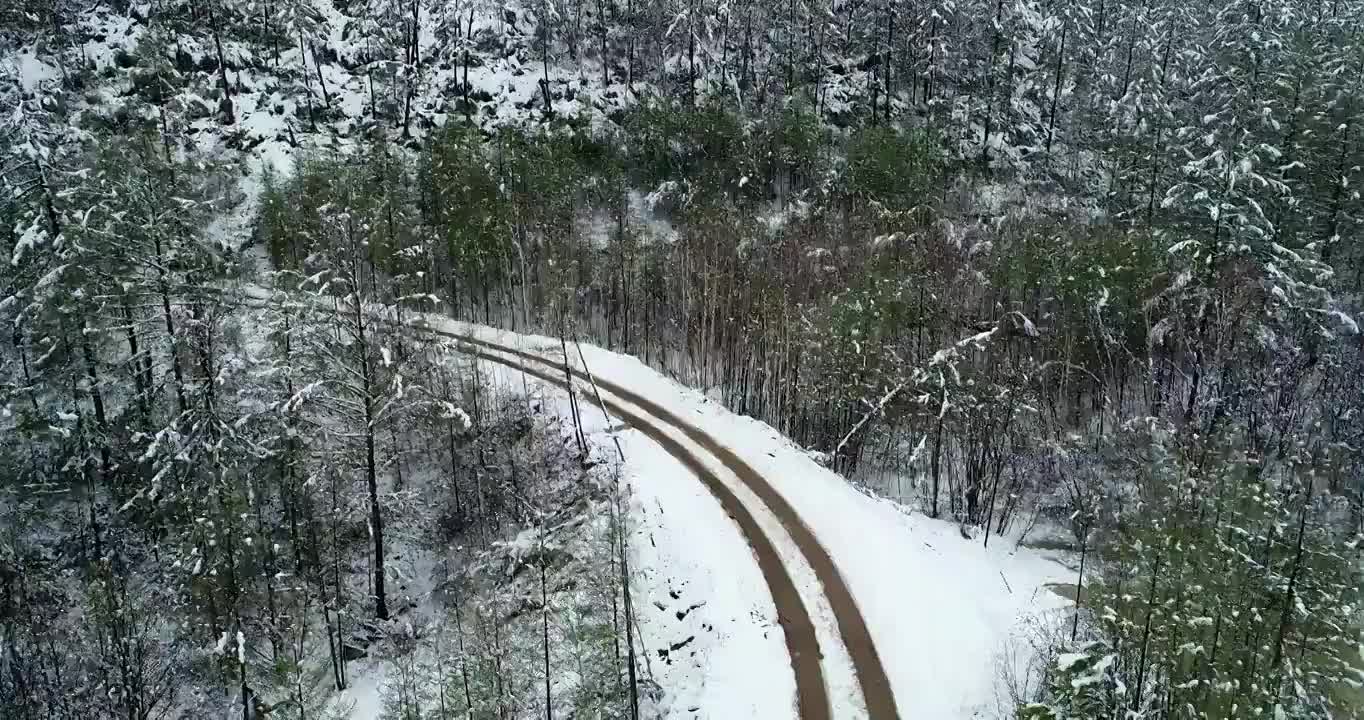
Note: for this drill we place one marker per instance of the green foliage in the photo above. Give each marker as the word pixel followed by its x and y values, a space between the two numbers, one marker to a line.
pixel 139 204
pixel 292 214
pixel 651 128
pixel 1218 595
pixel 1095 282
pixel 386 202
pixel 541 173
pixel 707 146
pixel 1080 686
pixel 274 222
pixel 463 202
pixel 333 206
pixel 598 157
pixel 896 168
pixel 857 332
pixel 792 144
pixel 797 137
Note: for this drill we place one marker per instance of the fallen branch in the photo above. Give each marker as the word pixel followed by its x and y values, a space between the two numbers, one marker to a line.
pixel 939 358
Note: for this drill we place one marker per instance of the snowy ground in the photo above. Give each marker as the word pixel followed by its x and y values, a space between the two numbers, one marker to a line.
pixel 699 590
pixel 706 626
pixel 944 610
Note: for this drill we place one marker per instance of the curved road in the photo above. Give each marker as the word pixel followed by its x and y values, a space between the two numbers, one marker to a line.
pixel 812 694
pixel 800 638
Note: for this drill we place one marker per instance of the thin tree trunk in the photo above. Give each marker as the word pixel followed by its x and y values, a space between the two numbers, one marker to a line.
pixel 1079 583
pixel 376 519
pixel 544 626
pixel 1056 87
pixel 225 104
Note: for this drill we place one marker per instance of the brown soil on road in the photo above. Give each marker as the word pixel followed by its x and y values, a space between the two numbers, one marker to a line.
pixel 812 698
pixel 804 648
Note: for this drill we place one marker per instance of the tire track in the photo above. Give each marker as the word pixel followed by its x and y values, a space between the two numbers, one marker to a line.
pixel 812 697
pixel 852 628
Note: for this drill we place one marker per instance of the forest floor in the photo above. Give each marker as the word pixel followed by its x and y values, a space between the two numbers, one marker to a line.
pixel 887 606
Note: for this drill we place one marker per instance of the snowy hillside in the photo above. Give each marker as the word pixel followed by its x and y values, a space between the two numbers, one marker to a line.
pixel 470 360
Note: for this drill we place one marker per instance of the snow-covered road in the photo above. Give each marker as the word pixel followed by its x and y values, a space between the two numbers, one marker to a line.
pixel 737 489
pixel 940 616
pixel 882 613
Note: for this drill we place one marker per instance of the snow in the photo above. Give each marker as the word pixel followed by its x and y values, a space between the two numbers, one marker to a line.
pixel 943 609
pixel 1346 321
pixel 1066 661
pixel 686 545
pixel 936 604
pixel 1095 674
pixel 690 560
pixel 945 612
pixel 458 413
pixel 32 71
pixel 363 698
pixel 28 239
pixel 107 34
pixel 644 208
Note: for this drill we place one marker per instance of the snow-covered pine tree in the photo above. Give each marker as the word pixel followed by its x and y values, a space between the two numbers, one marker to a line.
pixel 1220 594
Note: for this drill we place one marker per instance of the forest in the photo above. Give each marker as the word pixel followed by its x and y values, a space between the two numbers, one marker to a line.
pixel 1089 267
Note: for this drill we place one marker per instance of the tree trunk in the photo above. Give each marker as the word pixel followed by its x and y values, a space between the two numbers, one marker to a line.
pixel 544 626
pixel 376 520
pixel 1079 583
pixel 937 467
pixel 1056 87
pixel 225 104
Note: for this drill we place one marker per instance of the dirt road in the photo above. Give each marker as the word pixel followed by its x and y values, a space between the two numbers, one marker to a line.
pixel 652 419
pixel 800 635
